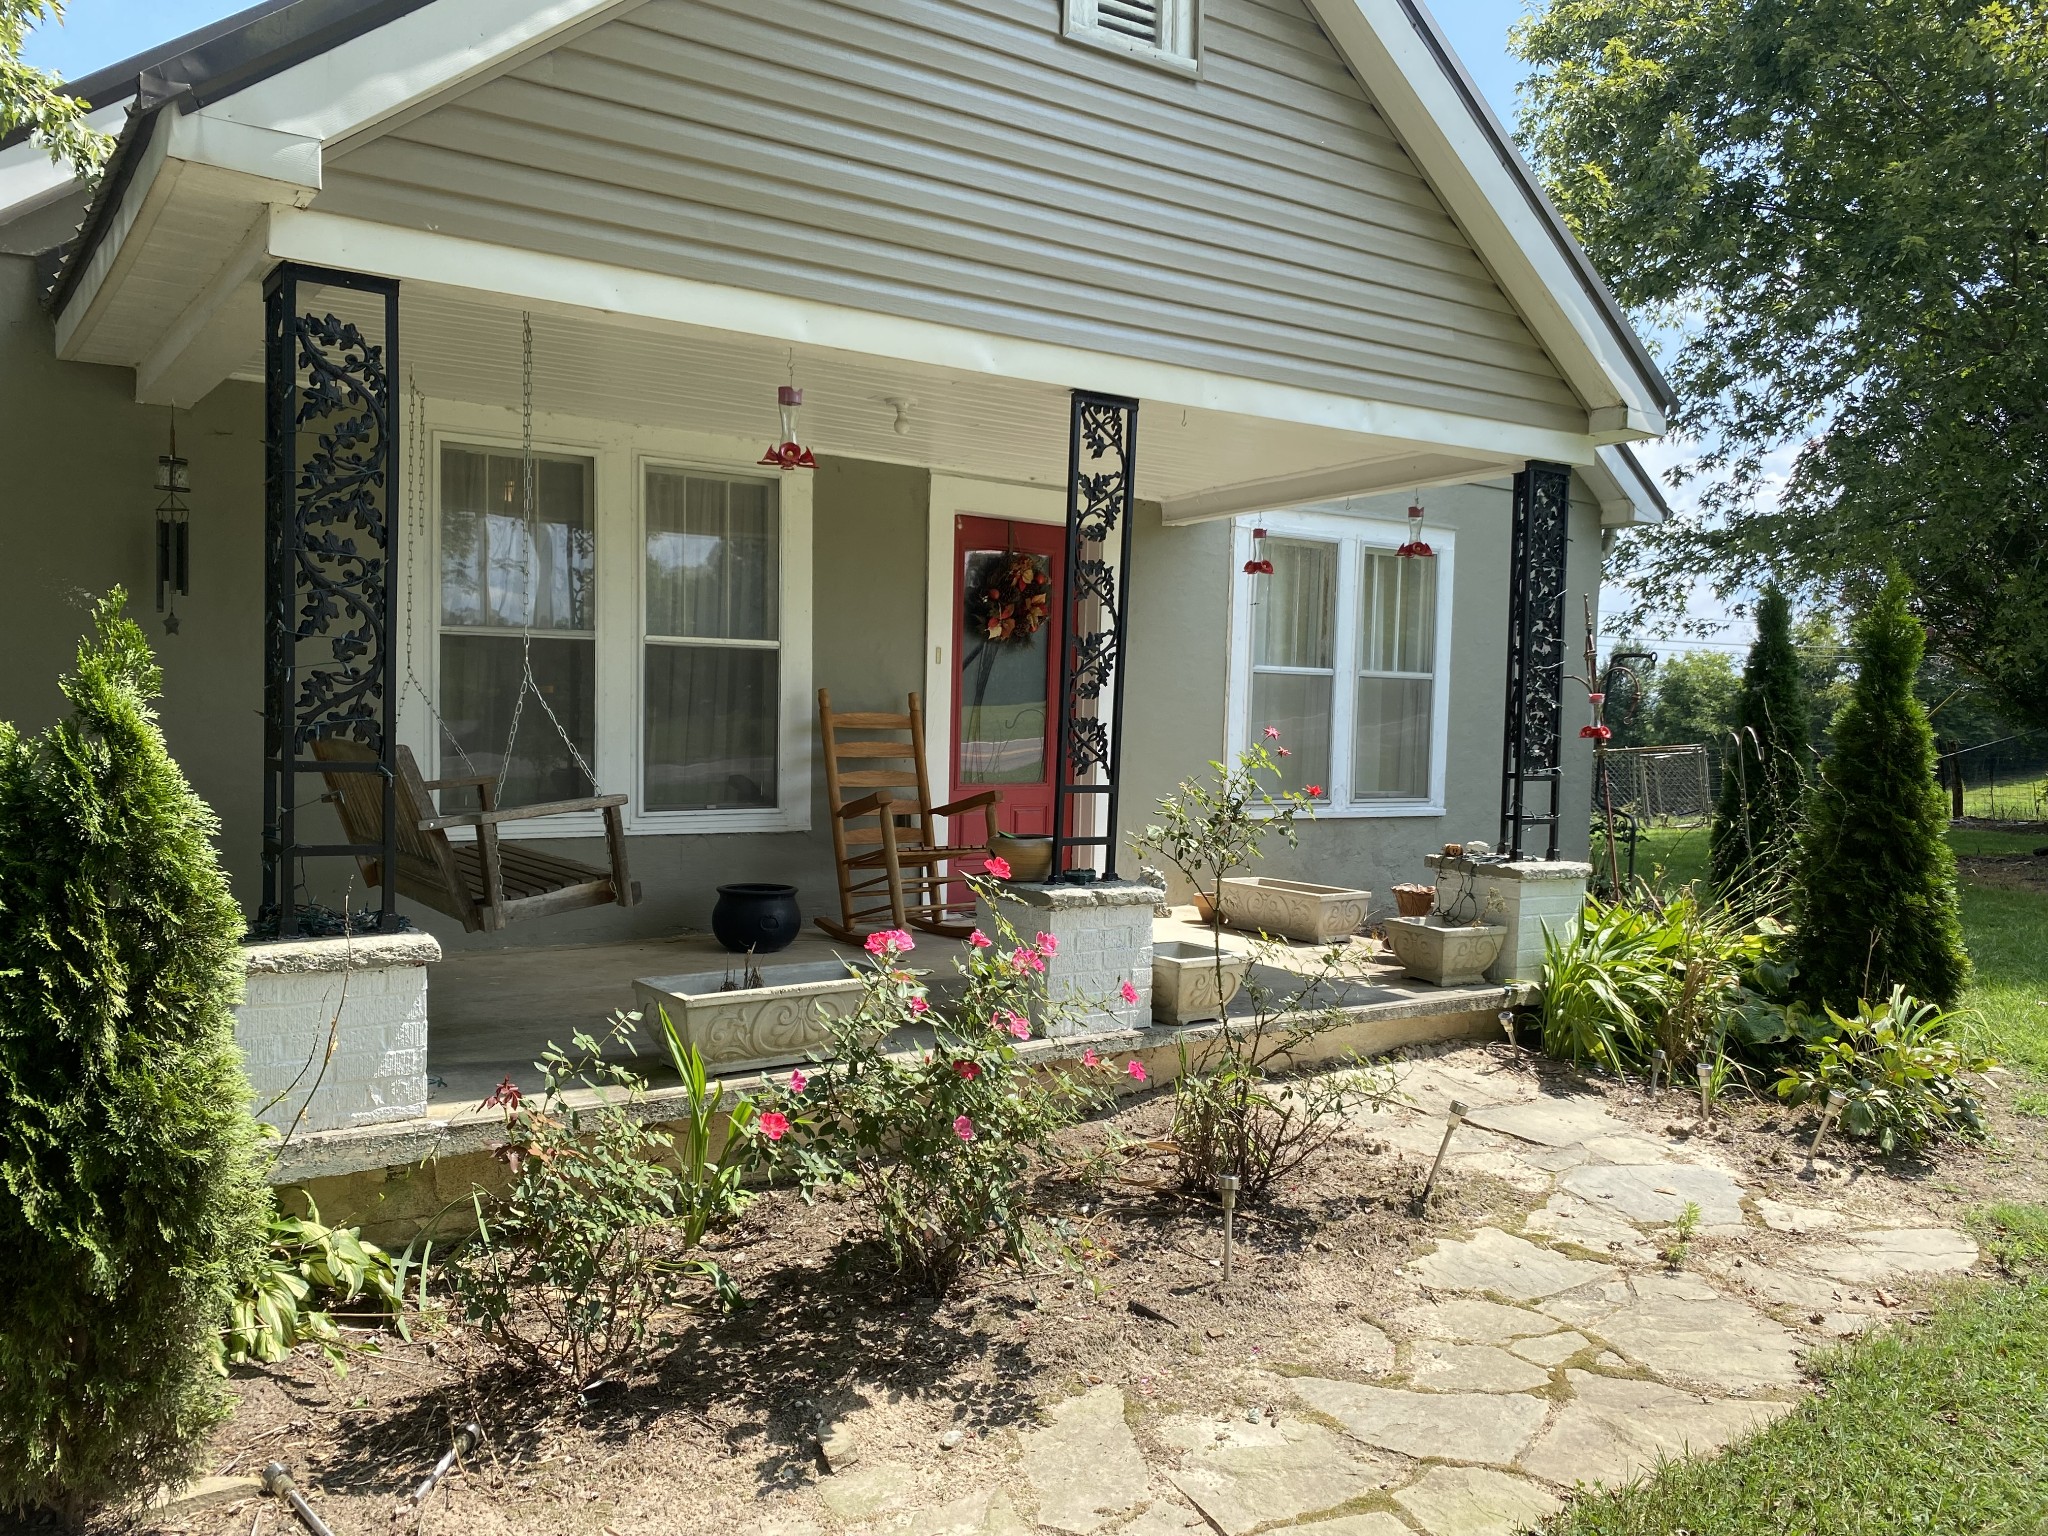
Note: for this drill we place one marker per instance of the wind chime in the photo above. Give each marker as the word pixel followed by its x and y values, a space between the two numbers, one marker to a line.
pixel 1415 548
pixel 790 453
pixel 173 533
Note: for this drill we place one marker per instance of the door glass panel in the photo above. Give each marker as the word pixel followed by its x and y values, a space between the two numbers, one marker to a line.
pixel 1003 671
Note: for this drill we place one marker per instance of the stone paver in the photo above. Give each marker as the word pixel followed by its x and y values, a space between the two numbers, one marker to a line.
pixel 1786 1288
pixel 1797 1219
pixel 1165 1518
pixel 1378 1523
pixel 1637 1150
pixel 1870 1257
pixel 1259 1474
pixel 1684 1330
pixel 1469 1319
pixel 1467 1426
pixel 1507 1265
pixel 1613 1431
pixel 1358 1349
pixel 1657 1192
pixel 873 1488
pixel 1553 1349
pixel 1550 1122
pixel 1472 1501
pixel 1580 1222
pixel 1085 1467
pixel 987 1512
pixel 1471 1368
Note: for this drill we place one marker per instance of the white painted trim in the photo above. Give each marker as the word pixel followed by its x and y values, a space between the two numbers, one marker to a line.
pixel 619 453
pixel 142 203
pixel 1624 488
pixel 542 283
pixel 1458 155
pixel 29 178
pixel 1353 534
pixel 206 343
pixel 954 496
pixel 1178 49
pixel 1373 477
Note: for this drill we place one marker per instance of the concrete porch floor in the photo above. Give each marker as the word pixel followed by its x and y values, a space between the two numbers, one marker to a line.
pixel 492 1012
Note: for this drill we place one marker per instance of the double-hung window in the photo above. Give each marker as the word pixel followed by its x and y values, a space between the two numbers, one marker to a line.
pixel 1343 651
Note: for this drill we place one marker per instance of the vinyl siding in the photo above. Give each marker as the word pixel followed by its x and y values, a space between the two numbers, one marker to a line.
pixel 960 161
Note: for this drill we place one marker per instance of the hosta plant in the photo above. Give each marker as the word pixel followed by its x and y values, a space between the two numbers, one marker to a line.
pixel 312 1271
pixel 1901 1073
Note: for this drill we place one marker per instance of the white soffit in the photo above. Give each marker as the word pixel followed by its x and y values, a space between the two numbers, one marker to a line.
pixel 1462 161
pixel 29 178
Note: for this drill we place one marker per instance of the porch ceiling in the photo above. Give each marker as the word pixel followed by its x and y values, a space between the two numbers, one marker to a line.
pixel 1197 463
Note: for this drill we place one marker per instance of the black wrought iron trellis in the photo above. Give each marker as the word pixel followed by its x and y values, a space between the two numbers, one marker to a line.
pixel 1536 644
pixel 1102 458
pixel 330 543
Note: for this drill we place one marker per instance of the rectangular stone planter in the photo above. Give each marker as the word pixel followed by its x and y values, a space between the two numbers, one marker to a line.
pixel 366 995
pixel 1312 914
pixel 1448 954
pixel 1184 982
pixel 1103 935
pixel 1529 897
pixel 776 1024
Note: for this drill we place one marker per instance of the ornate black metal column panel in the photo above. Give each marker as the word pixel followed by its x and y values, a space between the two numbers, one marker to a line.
pixel 1102 460
pixel 1535 699
pixel 330 542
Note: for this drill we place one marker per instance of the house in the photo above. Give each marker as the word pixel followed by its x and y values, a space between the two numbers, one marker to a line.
pixel 1250 277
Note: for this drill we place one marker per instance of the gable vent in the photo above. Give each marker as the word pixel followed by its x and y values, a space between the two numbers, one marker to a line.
pixel 1135 19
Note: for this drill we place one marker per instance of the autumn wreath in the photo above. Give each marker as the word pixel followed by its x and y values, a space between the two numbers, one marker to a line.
pixel 1013 600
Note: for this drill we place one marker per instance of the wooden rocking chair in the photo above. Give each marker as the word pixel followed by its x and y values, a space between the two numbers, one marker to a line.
pixel 487 883
pixel 891 871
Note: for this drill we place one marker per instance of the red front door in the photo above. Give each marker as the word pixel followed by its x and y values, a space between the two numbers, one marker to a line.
pixel 1006 602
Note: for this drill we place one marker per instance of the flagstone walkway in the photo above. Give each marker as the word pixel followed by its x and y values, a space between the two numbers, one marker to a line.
pixel 1523 1363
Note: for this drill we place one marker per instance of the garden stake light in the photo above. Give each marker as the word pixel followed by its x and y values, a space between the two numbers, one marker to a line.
pixel 276 1480
pixel 1459 1110
pixel 467 1439
pixel 1659 1062
pixel 1837 1101
pixel 1706 1076
pixel 1507 1022
pixel 1227 1187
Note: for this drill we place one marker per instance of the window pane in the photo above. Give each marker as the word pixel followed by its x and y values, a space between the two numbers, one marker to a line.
pixel 712 557
pixel 711 727
pixel 479 687
pixel 1390 757
pixel 1416 651
pixel 500 567
pixel 1294 612
pixel 1298 707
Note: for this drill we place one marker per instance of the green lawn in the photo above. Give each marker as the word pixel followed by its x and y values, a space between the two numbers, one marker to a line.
pixel 2006 931
pixel 1936 1429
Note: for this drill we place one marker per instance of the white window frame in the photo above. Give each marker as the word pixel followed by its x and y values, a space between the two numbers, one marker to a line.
pixel 1353 536
pixel 1180 34
pixel 621 453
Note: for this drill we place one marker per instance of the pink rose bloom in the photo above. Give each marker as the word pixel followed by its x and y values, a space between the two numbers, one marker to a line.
pixel 1018 1026
pixel 978 939
pixel 1046 945
pixel 1286 752
pixel 798 1082
pixel 1272 733
pixel 919 1006
pixel 1137 1071
pixel 1090 1059
pixel 774 1126
pixel 968 1070
pixel 1023 960
pixel 1313 791
pixel 890 941
pixel 1130 993
pixel 998 868
pixel 964 1128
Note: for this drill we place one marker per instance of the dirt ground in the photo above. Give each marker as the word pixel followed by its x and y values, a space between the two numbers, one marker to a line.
pixel 721 1428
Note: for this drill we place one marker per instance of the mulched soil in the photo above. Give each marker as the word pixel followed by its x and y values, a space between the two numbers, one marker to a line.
pixel 720 1428
pixel 2015 871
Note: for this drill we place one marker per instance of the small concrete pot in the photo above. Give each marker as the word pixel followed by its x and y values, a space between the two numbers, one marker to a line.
pixel 1447 954
pixel 1184 978
pixel 1312 914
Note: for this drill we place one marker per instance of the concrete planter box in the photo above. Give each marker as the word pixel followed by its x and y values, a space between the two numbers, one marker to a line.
pixel 1449 954
pixel 776 1024
pixel 1313 914
pixel 1184 978
pixel 1104 939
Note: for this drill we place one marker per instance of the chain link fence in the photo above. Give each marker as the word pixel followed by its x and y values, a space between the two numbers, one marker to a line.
pixel 1670 786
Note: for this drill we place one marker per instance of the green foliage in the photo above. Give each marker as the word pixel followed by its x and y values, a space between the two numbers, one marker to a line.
pixel 310 1270
pixel 2015 1235
pixel 710 1193
pixel 1899 1071
pixel 1763 770
pixel 1876 903
pixel 134 1202
pixel 36 101
pixel 1678 1246
pixel 571 1270
pixel 936 1147
pixel 1210 829
pixel 1675 974
pixel 1693 697
pixel 1837 204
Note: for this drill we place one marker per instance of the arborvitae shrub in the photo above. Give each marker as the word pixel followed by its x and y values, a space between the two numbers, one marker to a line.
pixel 1763 771
pixel 1877 893
pixel 131 1200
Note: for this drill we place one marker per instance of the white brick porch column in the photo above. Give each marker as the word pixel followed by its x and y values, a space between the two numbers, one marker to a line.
pixel 369 995
pixel 1105 939
pixel 1534 896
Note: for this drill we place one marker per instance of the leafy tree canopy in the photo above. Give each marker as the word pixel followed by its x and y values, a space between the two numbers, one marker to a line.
pixel 35 99
pixel 1842 207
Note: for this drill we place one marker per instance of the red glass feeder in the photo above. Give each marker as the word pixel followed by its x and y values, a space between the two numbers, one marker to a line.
pixel 1599 730
pixel 1257 566
pixel 1415 548
pixel 789 453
